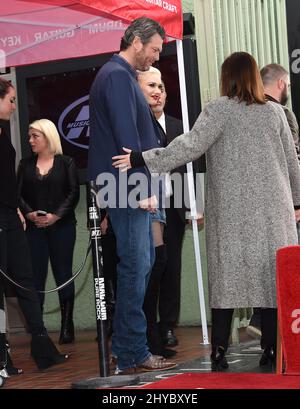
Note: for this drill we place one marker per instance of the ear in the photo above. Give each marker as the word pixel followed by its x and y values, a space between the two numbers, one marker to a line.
pixel 280 84
pixel 137 44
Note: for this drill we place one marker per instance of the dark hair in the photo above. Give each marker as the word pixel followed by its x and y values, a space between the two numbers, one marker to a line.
pixel 272 72
pixel 4 87
pixel 144 28
pixel 240 78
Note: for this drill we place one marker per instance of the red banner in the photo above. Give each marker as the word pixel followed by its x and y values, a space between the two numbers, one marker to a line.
pixel 167 13
pixel 39 31
pixel 288 298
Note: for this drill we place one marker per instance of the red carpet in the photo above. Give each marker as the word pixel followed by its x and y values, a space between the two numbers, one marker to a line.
pixel 227 381
pixel 288 296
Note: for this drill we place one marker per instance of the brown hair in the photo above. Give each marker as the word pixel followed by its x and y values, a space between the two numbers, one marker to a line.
pixel 4 87
pixel 144 28
pixel 240 78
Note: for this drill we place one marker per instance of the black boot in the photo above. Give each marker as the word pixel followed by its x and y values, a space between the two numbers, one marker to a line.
pixel 3 351
pixel 5 359
pixel 67 326
pixel 10 368
pixel 268 357
pixel 218 359
pixel 154 340
pixel 44 352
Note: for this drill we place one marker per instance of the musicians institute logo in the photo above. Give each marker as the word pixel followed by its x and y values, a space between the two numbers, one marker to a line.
pixel 74 123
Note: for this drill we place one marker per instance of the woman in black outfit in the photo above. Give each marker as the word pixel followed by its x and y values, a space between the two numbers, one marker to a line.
pixel 14 252
pixel 49 192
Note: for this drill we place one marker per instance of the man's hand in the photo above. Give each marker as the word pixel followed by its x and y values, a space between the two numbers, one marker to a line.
pixel 149 204
pixel 104 225
pixel 297 215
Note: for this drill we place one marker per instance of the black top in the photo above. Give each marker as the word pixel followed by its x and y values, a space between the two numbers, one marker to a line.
pixel 8 183
pixel 57 192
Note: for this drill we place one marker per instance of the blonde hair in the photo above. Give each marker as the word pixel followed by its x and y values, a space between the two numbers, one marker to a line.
pixel 151 69
pixel 50 132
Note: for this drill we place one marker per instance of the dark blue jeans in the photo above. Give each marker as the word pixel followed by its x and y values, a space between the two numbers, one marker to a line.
pixel 57 244
pixel 132 228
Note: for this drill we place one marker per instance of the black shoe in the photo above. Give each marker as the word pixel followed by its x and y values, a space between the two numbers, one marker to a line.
pixel 45 353
pixel 7 364
pixel 10 368
pixel 169 339
pixel 218 359
pixel 167 352
pixel 161 351
pixel 268 357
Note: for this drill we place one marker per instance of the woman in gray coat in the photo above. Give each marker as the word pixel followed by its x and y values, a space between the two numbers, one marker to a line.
pixel 252 191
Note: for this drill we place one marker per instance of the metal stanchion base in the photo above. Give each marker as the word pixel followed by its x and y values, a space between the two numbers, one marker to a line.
pixel 115 381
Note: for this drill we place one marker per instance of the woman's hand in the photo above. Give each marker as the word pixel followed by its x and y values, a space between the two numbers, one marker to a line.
pixel 150 204
pixel 22 218
pixel 50 219
pixel 42 221
pixel 122 161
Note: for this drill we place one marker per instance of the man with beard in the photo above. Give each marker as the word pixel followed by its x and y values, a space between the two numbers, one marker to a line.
pixel 120 116
pixel 276 82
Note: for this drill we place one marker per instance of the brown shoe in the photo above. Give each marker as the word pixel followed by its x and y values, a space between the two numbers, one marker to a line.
pixel 155 363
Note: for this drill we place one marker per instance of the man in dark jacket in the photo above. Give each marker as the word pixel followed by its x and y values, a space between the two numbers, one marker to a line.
pixel 119 117
pixel 276 82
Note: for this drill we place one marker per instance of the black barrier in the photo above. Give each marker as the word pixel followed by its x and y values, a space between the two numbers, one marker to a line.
pixel 105 381
pixel 94 220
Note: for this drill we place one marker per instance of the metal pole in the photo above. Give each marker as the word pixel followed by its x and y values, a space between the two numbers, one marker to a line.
pixel 104 381
pixel 94 219
pixel 190 175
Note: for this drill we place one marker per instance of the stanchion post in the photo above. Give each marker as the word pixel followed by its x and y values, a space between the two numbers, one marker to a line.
pixel 94 219
pixel 104 381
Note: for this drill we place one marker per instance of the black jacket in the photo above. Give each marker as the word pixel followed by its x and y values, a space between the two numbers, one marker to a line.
pixel 293 124
pixel 174 128
pixel 60 193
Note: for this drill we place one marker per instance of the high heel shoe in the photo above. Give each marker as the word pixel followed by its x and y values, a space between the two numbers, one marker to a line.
pixel 218 359
pixel 9 366
pixel 268 357
pixel 45 353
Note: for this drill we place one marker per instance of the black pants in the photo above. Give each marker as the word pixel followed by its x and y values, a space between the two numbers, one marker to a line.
pixel 57 244
pixel 15 261
pixel 169 298
pixel 221 326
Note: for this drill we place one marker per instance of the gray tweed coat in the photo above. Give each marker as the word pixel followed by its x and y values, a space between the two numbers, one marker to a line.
pixel 253 180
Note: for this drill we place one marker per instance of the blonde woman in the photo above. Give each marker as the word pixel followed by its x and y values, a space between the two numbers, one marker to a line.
pixel 49 192
pixel 14 252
